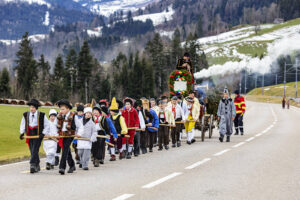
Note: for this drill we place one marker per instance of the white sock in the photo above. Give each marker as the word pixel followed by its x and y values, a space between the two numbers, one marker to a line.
pixel 130 148
pixel 112 151
pixel 189 136
pixel 123 147
pixel 193 134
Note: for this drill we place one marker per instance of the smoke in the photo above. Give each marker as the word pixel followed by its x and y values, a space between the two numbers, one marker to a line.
pixel 281 47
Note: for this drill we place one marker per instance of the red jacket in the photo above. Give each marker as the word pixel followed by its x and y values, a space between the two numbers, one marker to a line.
pixel 131 118
pixel 240 105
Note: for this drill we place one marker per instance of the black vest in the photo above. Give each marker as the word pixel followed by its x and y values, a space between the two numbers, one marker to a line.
pixel 41 117
pixel 117 124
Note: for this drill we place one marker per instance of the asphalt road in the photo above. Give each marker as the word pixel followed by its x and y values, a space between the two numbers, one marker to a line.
pixel 262 164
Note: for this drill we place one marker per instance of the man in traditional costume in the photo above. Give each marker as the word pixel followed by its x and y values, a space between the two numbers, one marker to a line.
pixel 121 128
pixel 132 122
pixel 226 115
pixel 50 145
pixel 34 123
pixel 179 117
pixel 191 117
pixel 66 127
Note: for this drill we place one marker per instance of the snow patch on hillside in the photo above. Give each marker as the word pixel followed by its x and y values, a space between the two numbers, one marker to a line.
pixel 33 38
pixel 47 19
pixel 39 2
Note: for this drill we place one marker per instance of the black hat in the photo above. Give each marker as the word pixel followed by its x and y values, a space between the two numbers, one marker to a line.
pixel 192 92
pixel 120 104
pixel 34 102
pixel 104 109
pixel 164 97
pixel 179 96
pixel 64 102
pixel 186 54
pixel 138 103
pixel 189 99
pixel 128 100
pixel 174 98
pixel 80 108
pixel 97 108
pixel 237 92
pixel 103 102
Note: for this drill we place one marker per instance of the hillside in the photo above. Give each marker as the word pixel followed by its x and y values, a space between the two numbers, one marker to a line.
pixel 243 48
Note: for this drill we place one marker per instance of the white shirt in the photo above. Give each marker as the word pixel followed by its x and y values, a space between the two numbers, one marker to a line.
pixel 65 124
pixel 33 121
pixel 141 119
pixel 179 112
pixel 183 105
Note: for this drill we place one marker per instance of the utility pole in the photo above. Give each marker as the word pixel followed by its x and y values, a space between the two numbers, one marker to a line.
pixel 245 82
pixel 284 79
pixel 276 77
pixel 263 83
pixel 296 77
pixel 255 80
pixel 240 83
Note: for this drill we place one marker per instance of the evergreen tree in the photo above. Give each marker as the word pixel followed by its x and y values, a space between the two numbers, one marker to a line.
pixel 26 69
pixel 4 83
pixel 44 76
pixel 105 89
pixel 85 66
pixel 72 70
pixel 176 47
pixel 199 29
pixel 59 70
pixel 148 82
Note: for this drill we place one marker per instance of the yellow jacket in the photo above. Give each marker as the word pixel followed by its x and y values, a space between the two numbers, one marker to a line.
pixel 169 116
pixel 122 123
pixel 156 109
pixel 195 113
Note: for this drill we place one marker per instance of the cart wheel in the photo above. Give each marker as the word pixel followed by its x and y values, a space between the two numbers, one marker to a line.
pixel 211 123
pixel 202 128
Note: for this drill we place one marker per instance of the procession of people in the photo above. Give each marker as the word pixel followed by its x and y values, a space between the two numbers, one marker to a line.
pixel 127 127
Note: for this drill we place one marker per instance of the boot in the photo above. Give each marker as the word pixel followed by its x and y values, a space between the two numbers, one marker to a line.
pixel 32 169
pixel 101 162
pixel 166 147
pixel 113 158
pixel 193 141
pixel 61 171
pixel 236 133
pixel 160 149
pixel 121 155
pixel 96 163
pixel 80 165
pixel 48 166
pixel 72 169
pixel 242 133
pixel 173 145
pixel 128 155
pixel 178 144
pixel 52 167
pixel 150 150
pixel 188 142
pixel 56 160
pixel 85 168
pixel 221 138
pixel 228 139
pixel 38 168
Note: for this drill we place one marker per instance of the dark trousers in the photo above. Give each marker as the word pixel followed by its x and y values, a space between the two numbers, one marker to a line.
pixel 58 149
pixel 238 123
pixel 144 139
pixel 151 138
pixel 98 147
pixel 137 143
pixel 34 145
pixel 66 154
pixel 76 151
pixel 163 136
pixel 175 133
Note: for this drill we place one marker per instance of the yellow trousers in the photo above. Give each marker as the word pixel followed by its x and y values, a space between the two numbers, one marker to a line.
pixel 189 125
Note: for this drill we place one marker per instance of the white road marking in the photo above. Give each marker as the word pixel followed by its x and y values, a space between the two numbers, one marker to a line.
pixel 249 139
pixel 239 144
pixel 159 181
pixel 259 134
pixel 124 196
pixel 198 163
pixel 221 152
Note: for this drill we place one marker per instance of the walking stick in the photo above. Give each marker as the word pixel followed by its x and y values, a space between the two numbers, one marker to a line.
pixel 128 136
pixel 103 136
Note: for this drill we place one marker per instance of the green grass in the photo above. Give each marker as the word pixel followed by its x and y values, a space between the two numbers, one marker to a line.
pixel 277 90
pixel 278 26
pixel 253 49
pixel 11 147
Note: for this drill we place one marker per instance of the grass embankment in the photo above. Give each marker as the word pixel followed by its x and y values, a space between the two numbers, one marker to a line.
pixel 11 147
pixel 274 94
